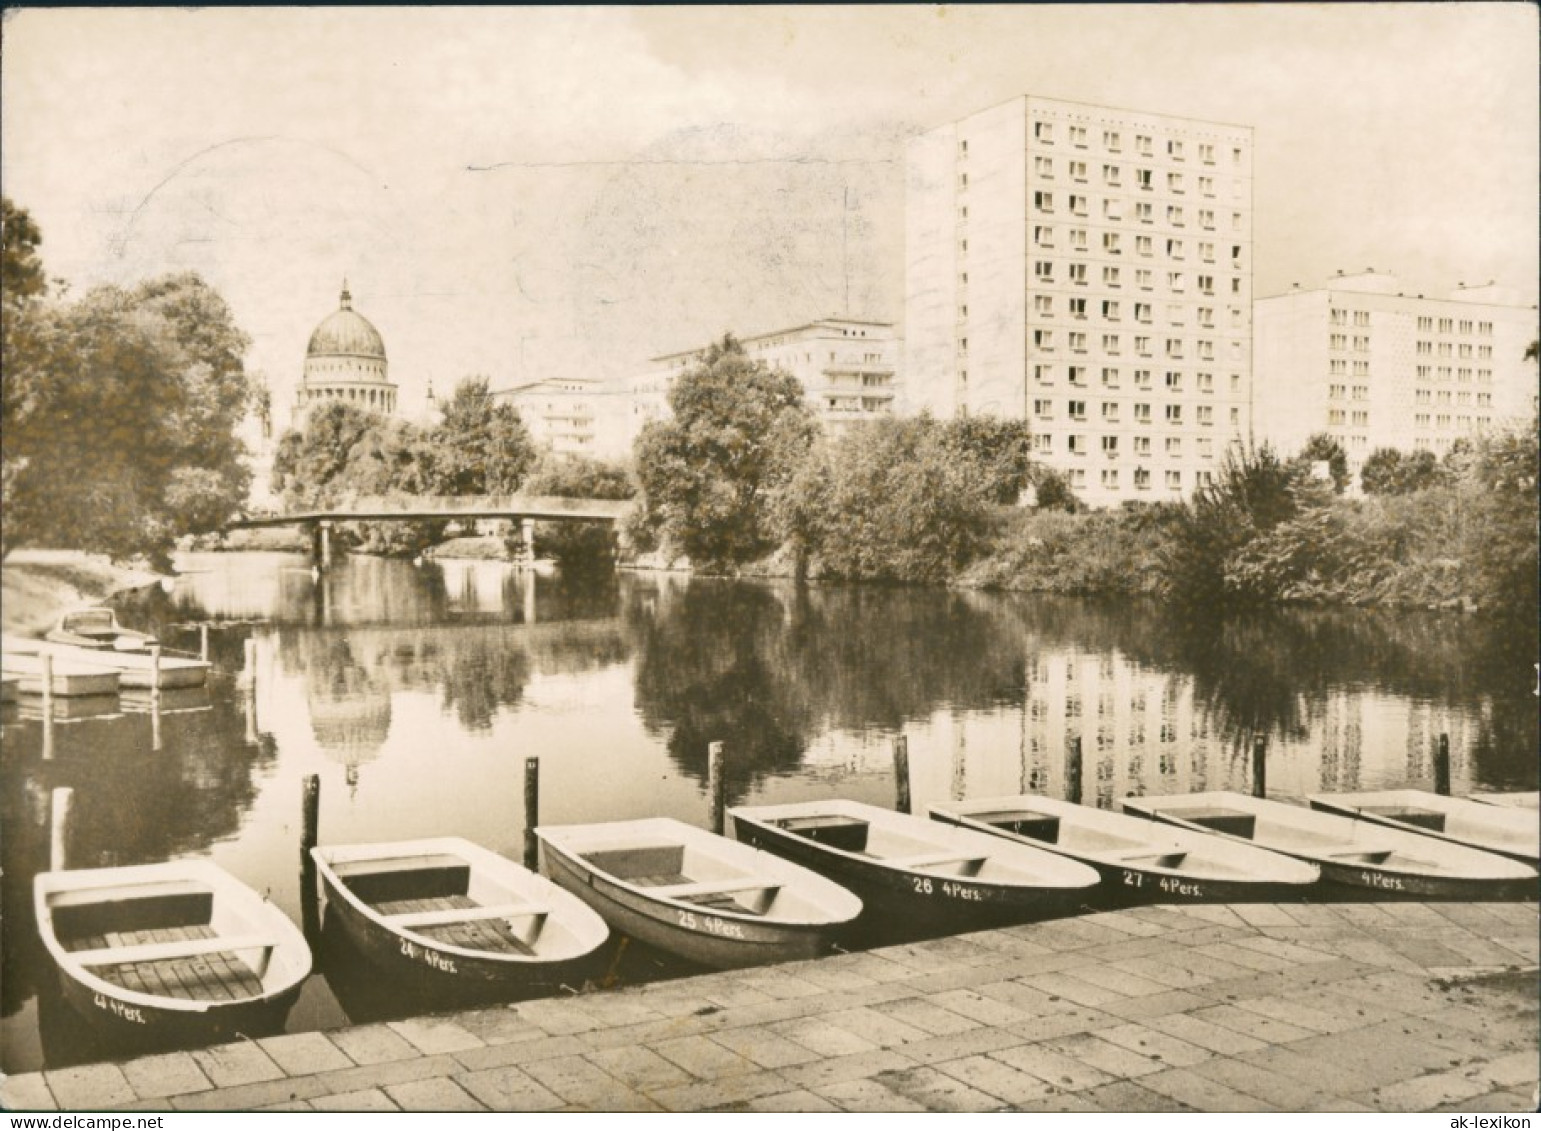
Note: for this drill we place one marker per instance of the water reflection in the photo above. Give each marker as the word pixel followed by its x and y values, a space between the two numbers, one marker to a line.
pixel 416 692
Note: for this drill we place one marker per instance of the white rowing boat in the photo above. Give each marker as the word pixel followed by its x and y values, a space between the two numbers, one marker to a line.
pixel 180 951
pixel 1357 853
pixel 446 911
pixel 1137 859
pixel 1509 832
pixel 905 866
pixel 695 894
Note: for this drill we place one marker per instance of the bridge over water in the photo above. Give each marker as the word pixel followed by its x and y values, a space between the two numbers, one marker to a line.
pixel 527 510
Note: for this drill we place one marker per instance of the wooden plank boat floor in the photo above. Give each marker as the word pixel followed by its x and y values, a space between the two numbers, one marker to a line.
pixel 492 935
pixel 721 901
pixel 204 977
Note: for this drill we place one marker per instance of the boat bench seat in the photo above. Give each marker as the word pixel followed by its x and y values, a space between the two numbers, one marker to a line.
pixel 1145 856
pixel 1372 854
pixel 159 952
pixel 407 920
pixel 934 859
pixel 714 887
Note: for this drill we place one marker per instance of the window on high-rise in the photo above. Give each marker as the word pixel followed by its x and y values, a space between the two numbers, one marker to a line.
pixel 1174 414
pixel 1078 308
pixel 1043 131
pixel 1043 201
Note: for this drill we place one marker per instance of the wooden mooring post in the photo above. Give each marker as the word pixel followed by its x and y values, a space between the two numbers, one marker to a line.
pixel 1442 766
pixel 902 800
pixel 531 813
pixel 716 787
pixel 59 806
pixel 155 697
pixel 1073 772
pixel 1260 765
pixel 47 663
pixel 203 642
pixel 310 833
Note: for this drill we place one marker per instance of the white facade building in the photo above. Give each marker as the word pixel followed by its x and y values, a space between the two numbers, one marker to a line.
pixel 847 368
pixel 560 412
pixel 1366 362
pixel 1088 269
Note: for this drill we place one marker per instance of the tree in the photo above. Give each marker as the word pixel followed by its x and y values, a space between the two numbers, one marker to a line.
pixel 910 500
pixel 712 473
pixel 1323 448
pixel 120 414
pixel 1389 472
pixel 482 447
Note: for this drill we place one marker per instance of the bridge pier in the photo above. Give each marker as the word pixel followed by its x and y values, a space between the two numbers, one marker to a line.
pixel 326 543
pixel 527 540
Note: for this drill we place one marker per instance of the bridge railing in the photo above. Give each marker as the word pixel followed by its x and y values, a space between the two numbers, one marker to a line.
pixel 367 507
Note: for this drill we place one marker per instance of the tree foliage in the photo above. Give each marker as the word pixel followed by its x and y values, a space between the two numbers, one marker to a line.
pixel 711 474
pixel 1388 471
pixel 120 410
pixel 908 499
pixel 483 447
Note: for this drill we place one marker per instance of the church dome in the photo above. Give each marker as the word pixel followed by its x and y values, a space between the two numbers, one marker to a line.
pixel 346 333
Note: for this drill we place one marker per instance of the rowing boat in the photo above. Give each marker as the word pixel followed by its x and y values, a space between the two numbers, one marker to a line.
pixel 695 894
pixel 1521 800
pixel 1351 852
pixel 908 867
pixel 173 951
pixel 1509 832
pixel 1138 860
pixel 446 912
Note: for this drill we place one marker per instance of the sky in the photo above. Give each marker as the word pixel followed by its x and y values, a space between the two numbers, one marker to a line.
pixel 524 193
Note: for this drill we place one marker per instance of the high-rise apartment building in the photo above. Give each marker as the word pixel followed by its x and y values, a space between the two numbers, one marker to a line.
pixel 1367 362
pixel 1090 270
pixel 846 367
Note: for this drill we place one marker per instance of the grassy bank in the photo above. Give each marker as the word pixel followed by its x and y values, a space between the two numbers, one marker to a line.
pixel 36 586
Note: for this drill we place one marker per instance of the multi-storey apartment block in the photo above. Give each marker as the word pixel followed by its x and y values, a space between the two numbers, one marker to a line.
pixel 846 368
pixel 1366 362
pixel 1090 270
pixel 560 412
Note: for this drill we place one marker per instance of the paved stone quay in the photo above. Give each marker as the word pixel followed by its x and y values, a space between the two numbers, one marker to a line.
pixel 1258 1007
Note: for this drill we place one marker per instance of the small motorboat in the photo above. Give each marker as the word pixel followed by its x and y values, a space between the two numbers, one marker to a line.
pixel 1514 833
pixel 178 951
pixel 695 894
pixel 448 912
pixel 97 628
pixel 70 677
pixel 908 867
pixel 1138 860
pixel 1351 852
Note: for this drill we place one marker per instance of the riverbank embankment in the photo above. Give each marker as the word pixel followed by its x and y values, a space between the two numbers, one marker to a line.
pixel 1258 1007
pixel 36 586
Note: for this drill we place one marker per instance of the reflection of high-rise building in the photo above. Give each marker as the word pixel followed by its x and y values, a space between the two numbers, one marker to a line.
pixel 345 361
pixel 1149 732
pixel 1090 270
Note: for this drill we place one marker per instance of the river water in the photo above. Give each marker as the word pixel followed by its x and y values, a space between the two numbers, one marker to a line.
pixel 417 693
